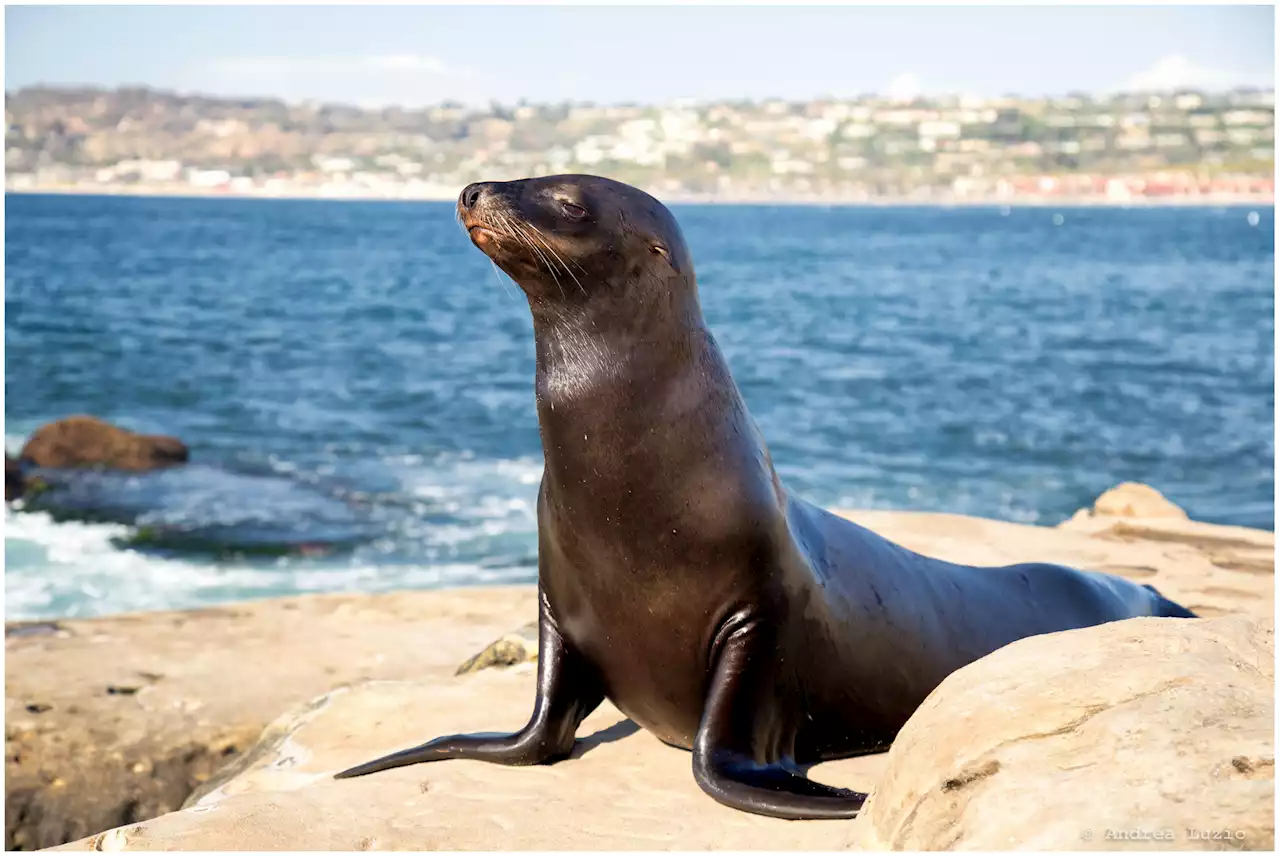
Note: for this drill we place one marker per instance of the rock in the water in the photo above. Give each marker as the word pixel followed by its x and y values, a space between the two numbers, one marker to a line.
pixel 1155 728
pixel 1132 499
pixel 208 510
pixel 14 483
pixel 19 485
pixel 86 441
pixel 519 646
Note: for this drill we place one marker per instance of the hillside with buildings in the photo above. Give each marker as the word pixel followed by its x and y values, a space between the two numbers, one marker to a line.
pixel 1123 148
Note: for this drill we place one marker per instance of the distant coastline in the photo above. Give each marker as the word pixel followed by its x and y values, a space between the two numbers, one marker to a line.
pixel 992 201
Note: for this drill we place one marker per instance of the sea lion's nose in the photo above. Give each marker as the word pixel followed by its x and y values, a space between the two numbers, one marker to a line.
pixel 471 194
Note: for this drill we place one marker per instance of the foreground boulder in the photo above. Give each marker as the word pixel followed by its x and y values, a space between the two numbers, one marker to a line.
pixel 511 649
pixel 86 441
pixel 1061 741
pixel 1149 733
pixel 1130 499
pixel 1133 499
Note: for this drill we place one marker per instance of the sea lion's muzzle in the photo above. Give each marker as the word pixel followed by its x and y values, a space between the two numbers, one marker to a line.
pixel 477 206
pixel 472 194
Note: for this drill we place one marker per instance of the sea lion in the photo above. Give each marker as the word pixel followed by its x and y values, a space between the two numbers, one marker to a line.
pixel 676 575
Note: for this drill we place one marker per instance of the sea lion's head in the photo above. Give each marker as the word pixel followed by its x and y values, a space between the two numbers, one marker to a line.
pixel 576 238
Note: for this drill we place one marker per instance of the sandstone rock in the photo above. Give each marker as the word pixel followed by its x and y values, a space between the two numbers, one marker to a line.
pixel 1156 727
pixel 86 441
pixel 1132 499
pixel 519 646
pixel 112 721
pixel 121 758
pixel 1143 725
pixel 622 789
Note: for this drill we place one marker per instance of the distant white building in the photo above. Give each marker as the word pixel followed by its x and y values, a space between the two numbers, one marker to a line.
pixel 939 130
pixel 1171 140
pixel 591 150
pixel 332 164
pixel 208 177
pixel 1118 190
pixel 1248 117
pixel 784 164
pixel 165 170
pixel 819 129
pixel 558 158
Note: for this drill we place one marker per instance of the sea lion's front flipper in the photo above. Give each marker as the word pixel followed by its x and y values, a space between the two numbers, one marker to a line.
pixel 568 690
pixel 725 761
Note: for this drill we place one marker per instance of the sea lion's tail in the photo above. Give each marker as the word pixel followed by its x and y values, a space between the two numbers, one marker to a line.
pixel 1166 608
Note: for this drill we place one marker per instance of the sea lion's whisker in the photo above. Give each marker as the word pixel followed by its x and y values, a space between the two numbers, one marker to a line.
pixel 506 289
pixel 538 234
pixel 529 242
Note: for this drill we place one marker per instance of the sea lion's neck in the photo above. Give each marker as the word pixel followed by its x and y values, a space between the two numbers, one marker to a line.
pixel 592 350
pixel 621 403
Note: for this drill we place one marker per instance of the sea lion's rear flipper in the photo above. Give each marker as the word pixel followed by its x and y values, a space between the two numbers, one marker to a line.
pixel 724 763
pixel 1166 608
pixel 568 690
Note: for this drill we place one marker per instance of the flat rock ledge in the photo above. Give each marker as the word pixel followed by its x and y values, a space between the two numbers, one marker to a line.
pixel 1154 726
pixel 111 722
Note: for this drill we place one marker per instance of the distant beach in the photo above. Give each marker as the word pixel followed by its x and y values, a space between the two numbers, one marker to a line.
pixel 442 195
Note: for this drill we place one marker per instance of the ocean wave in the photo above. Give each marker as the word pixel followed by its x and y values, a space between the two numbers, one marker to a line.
pixel 927 359
pixel 70 569
pixel 471 521
pixel 73 569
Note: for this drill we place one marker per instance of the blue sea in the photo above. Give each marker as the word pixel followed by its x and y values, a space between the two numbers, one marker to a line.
pixel 358 373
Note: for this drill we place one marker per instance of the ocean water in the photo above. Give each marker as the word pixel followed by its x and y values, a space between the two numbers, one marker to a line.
pixel 359 369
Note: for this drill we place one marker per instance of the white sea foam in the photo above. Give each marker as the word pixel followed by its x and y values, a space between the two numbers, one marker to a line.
pixel 13 443
pixel 73 569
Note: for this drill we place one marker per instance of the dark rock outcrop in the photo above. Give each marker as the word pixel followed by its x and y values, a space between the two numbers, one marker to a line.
pixel 14 483
pixel 518 646
pixel 86 441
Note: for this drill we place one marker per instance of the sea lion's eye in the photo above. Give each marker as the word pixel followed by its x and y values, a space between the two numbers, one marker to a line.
pixel 573 212
pixel 662 251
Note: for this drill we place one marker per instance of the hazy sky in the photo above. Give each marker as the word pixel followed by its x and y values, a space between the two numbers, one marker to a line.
pixel 419 55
